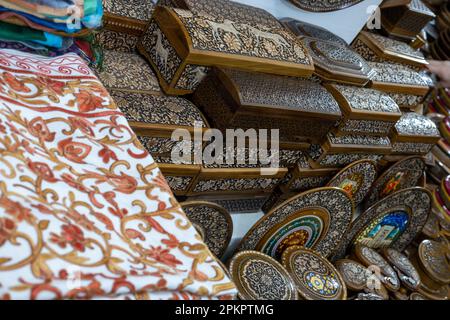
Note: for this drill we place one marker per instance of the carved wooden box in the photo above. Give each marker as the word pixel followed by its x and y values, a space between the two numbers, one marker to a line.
pixel 406 21
pixel 247 203
pixel 378 48
pixel 302 110
pixel 304 29
pixel 223 181
pixel 339 63
pixel 339 151
pixel 303 178
pixel 226 9
pixel 124 16
pixel 182 46
pixel 365 111
pixel 414 134
pixel 180 177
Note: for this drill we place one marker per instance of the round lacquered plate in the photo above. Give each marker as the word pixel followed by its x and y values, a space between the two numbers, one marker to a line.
pixel 370 257
pixel 317 218
pixel 433 258
pixel 405 173
pixel 392 222
pixel 405 270
pixel 212 222
pixel 324 5
pixel 259 277
pixel 315 277
pixel 354 274
pixel 356 179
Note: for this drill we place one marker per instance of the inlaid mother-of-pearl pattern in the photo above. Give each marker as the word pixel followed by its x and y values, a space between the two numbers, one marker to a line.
pixel 413 124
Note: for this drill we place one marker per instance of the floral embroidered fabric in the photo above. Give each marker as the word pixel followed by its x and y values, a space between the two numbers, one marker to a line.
pixel 84 210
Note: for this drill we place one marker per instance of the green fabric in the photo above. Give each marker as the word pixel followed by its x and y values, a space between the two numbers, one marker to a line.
pixel 20 33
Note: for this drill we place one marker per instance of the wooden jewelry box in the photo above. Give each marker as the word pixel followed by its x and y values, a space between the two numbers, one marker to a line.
pixel 226 9
pixel 181 46
pixel 301 109
pixel 303 178
pixel 339 63
pixel 406 21
pixel 365 111
pixel 414 134
pixel 339 151
pixel 378 48
pixel 304 29
pixel 179 177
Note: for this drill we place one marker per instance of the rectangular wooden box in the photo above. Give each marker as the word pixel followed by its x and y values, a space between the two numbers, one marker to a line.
pixel 302 110
pixel 339 151
pixel 414 134
pixel 181 46
pixel 406 21
pixel 226 9
pixel 302 178
pixel 128 17
pixel 235 181
pixel 378 48
pixel 365 111
pixel 179 177
pixel 250 203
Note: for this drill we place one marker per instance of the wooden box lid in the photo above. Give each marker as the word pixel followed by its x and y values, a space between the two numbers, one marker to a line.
pixel 391 49
pixel 364 103
pixel 200 39
pixel 357 143
pixel 277 95
pixel 338 63
pixel 396 78
pixel 415 127
pixel 304 29
pixel 127 16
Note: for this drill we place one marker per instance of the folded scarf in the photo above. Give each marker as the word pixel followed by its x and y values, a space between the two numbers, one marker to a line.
pixel 19 33
pixel 44 7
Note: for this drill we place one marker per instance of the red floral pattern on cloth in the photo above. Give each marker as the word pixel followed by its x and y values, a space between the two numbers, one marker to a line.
pixel 84 210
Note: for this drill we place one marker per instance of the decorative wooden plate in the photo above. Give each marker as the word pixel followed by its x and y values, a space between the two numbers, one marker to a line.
pixel 356 179
pixel 354 274
pixel 368 296
pixel 417 296
pixel 405 270
pixel 433 259
pixel 392 222
pixel 324 5
pixel 212 222
pixel 259 277
pixel 315 277
pixel 370 257
pixel 444 191
pixel 317 218
pixel 404 174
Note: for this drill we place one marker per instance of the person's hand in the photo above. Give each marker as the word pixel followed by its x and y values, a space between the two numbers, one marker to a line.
pixel 442 70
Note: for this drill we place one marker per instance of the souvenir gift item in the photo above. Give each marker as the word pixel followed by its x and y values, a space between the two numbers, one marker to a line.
pixel 181 46
pixel 260 277
pixel 113 40
pixel 79 192
pixel 417 296
pixel 226 9
pixel 335 62
pixel 304 29
pixel 356 179
pixel 414 134
pixel 444 191
pixel 369 296
pixel 392 222
pixel 300 109
pixel 434 261
pixel 236 204
pixel 125 16
pixel 406 21
pixel 405 270
pixel 370 257
pixel 354 274
pixel 338 151
pixel 404 174
pixel 323 5
pixel 316 219
pixel 303 178
pixel 212 222
pixel 180 177
pixel 365 111
pixel 377 48
pixel 315 277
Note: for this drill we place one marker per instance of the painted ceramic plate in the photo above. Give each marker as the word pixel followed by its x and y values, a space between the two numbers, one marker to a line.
pixel 405 270
pixel 212 222
pixel 317 219
pixel 404 174
pixel 392 222
pixel 370 257
pixel 324 5
pixel 356 179
pixel 315 277
pixel 259 277
pixel 433 258
pixel 354 274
